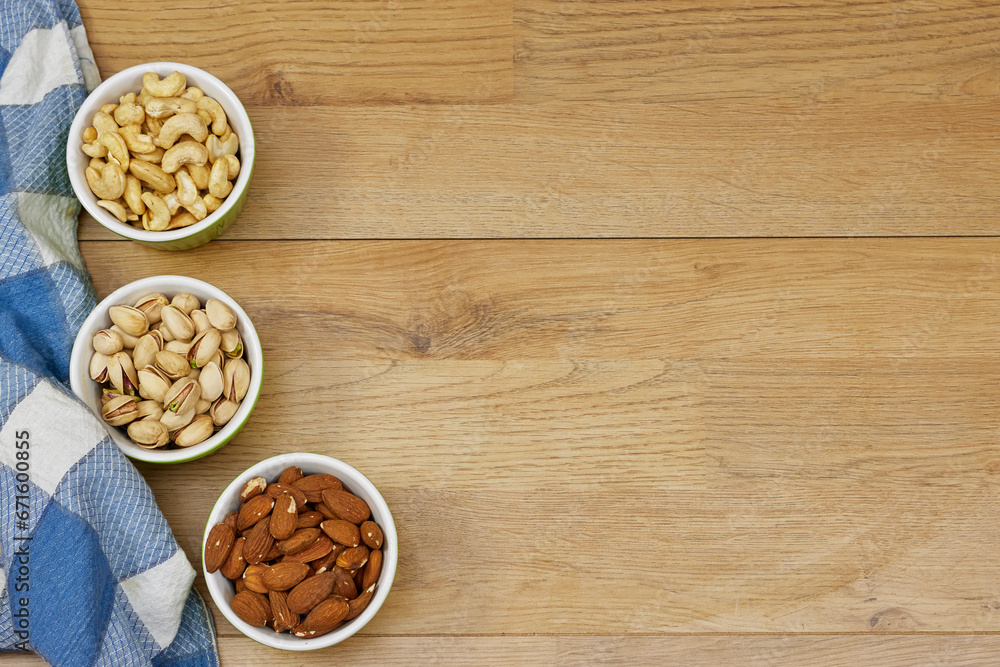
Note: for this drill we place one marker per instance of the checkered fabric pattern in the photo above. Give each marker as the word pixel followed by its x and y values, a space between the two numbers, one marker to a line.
pixel 90 573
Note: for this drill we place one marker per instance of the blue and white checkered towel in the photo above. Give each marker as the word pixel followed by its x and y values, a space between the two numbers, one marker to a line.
pixel 91 573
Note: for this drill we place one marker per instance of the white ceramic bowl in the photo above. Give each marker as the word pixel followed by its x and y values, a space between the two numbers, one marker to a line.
pixel 130 81
pixel 90 391
pixel 222 590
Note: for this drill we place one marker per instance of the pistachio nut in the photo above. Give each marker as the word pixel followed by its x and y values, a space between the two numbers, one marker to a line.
pixel 145 350
pixel 130 320
pixel 185 302
pixel 232 344
pixel 203 406
pixel 122 373
pixel 220 315
pixel 222 411
pixel 176 420
pixel 200 319
pixel 165 332
pixel 182 396
pixel 119 411
pixel 148 433
pixel 175 319
pixel 150 409
pixel 108 342
pixel 178 347
pixel 203 348
pixel 173 365
pixel 235 379
pixel 108 394
pixel 99 367
pixel 198 430
pixel 211 381
pixel 128 340
pixel 153 383
pixel 151 304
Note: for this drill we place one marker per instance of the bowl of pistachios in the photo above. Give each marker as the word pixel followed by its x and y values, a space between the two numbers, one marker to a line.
pixel 171 365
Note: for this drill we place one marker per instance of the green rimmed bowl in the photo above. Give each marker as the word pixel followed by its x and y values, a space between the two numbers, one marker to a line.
pixel 130 81
pixel 90 392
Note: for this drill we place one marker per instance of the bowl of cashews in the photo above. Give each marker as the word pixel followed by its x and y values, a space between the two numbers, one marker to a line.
pixel 162 153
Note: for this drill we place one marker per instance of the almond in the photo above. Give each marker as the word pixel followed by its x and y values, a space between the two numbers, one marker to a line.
pixel 343 584
pixel 234 565
pixel 253 578
pixel 352 559
pixel 253 487
pixel 310 519
pixel 326 511
pixel 252 608
pixel 310 593
pixel 240 585
pixel 289 475
pixel 284 518
pixel 319 548
pixel 313 485
pixel 299 540
pixel 282 576
pixel 231 519
pixel 328 561
pixel 372 569
pixel 342 532
pixel 220 541
pixel 346 506
pixel 325 617
pixel 273 554
pixel 276 490
pixel 259 542
pixel 358 604
pixel 284 619
pixel 253 511
pixel 371 535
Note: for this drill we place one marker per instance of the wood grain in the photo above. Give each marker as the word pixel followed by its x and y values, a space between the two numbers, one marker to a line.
pixel 614 170
pixel 736 436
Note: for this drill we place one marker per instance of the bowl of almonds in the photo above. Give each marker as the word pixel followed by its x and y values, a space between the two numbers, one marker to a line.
pixel 162 154
pixel 171 365
pixel 300 551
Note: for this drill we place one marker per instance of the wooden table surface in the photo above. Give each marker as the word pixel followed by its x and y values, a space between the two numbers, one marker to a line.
pixel 669 333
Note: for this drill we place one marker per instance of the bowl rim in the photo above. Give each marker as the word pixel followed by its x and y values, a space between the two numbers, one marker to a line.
pixel 230 103
pixel 79 377
pixel 353 478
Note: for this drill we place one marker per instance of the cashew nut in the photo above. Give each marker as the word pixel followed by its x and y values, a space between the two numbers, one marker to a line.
pixel 161 107
pixel 205 116
pixel 198 208
pixel 136 141
pixel 98 164
pixel 153 157
pixel 95 149
pixel 153 126
pixel 117 150
pixel 218 181
pixel 151 175
pixel 212 203
pixel 200 174
pixel 114 208
pixel 157 217
pixel 217 148
pixel 186 152
pixel 108 108
pixel 187 191
pixel 89 135
pixel 133 195
pixel 217 113
pixel 129 113
pixel 107 183
pixel 104 123
pixel 170 199
pixel 167 87
pixel 234 166
pixel 184 123
pixel 193 93
pixel 182 219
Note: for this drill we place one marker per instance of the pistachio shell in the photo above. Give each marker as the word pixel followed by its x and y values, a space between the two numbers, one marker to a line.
pixel 99 367
pixel 203 406
pixel 211 381
pixel 128 340
pixel 223 410
pixel 108 342
pixel 153 383
pixel 236 379
pixel 119 411
pixel 177 347
pixel 165 332
pixel 151 305
pixel 176 420
pixel 200 319
pixel 182 396
pixel 220 315
pixel 198 430
pixel 145 350
pixel 130 320
pixel 185 302
pixel 232 344
pixel 122 373
pixel 180 325
pixel 109 394
pixel 149 409
pixel 148 433
pixel 203 348
pixel 173 365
